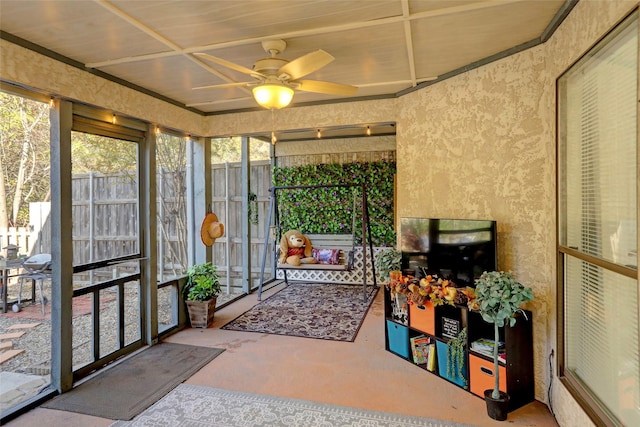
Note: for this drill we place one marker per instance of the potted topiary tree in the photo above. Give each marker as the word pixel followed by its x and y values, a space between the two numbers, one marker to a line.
pixel 499 298
pixel 201 292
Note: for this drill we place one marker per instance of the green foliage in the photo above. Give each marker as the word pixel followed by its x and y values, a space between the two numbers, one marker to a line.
pixel 230 150
pixel 330 210
pixel 456 356
pixel 500 296
pixel 388 260
pixel 101 154
pixel 202 282
pixel 24 157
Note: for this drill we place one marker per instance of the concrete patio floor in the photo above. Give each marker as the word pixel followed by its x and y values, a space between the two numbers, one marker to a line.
pixel 361 374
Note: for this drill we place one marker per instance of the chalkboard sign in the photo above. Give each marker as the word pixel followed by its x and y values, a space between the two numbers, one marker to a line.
pixel 450 327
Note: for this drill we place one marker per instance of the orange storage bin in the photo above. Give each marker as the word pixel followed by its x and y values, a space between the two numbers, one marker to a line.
pixel 423 317
pixel 481 376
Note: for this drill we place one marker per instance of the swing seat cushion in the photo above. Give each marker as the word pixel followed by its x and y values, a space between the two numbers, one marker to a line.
pixel 333 252
pixel 331 267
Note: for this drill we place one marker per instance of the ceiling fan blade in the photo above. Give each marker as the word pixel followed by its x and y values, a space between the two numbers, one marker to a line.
pixel 224 85
pixel 326 87
pixel 229 64
pixel 305 64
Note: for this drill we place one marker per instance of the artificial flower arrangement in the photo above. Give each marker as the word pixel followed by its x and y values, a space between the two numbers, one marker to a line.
pixel 431 288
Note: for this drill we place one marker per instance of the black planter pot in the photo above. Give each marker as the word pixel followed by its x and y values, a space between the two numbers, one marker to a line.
pixel 497 408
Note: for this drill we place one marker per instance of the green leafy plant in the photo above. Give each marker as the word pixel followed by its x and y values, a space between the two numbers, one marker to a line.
pixel 202 282
pixel 388 260
pixel 330 209
pixel 499 297
pixel 456 348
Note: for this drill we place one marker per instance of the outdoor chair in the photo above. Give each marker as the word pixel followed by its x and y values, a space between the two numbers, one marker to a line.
pixel 37 268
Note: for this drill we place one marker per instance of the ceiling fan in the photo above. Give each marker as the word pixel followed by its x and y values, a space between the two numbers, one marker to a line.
pixel 277 78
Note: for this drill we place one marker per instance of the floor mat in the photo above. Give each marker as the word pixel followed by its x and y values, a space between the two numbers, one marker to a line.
pixel 192 405
pixel 312 310
pixel 128 388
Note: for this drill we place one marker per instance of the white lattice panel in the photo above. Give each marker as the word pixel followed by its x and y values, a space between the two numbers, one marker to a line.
pixel 349 277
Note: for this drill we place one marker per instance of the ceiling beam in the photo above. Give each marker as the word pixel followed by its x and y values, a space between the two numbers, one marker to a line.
pixel 408 40
pixel 177 50
pixel 307 32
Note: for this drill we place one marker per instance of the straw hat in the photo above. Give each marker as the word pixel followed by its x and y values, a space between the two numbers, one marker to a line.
pixel 211 229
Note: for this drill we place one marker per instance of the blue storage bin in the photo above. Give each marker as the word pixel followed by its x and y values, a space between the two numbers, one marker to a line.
pixel 442 366
pixel 398 338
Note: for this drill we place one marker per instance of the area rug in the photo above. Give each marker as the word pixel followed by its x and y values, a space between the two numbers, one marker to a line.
pixel 192 405
pixel 311 310
pixel 128 388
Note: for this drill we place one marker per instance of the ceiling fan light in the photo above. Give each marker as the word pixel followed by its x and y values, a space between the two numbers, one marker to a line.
pixel 273 96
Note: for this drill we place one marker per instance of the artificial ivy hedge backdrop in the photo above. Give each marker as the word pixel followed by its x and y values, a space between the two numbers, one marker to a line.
pixel 330 210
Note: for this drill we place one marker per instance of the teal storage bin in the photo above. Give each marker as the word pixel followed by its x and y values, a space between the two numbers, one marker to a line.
pixel 398 339
pixel 442 366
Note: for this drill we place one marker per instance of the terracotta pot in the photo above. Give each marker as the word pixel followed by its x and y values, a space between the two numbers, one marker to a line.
pixel 497 408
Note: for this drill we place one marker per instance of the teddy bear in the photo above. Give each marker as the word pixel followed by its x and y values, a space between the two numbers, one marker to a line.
pixel 296 249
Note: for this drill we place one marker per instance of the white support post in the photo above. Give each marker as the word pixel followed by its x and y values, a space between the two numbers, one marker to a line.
pixel 227 210
pixel 246 229
pixel 61 118
pixel 198 196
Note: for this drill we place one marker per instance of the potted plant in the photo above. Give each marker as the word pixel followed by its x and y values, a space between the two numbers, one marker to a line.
pixel 201 292
pixel 499 297
pixel 388 264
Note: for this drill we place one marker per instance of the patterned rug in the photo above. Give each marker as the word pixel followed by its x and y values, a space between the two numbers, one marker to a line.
pixel 310 310
pixel 192 405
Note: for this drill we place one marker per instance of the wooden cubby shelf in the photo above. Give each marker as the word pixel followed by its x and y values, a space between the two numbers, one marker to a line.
pixel 438 325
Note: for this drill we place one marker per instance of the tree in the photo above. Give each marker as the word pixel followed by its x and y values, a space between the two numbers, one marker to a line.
pixel 24 157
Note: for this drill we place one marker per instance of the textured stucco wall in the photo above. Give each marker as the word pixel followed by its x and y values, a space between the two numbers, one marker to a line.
pixel 338 145
pixel 479 145
pixel 54 78
pixel 488 140
pixel 489 152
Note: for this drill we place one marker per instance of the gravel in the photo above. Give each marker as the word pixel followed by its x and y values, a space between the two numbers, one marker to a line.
pixel 36 341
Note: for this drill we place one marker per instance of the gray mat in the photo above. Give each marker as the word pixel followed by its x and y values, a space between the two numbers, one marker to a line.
pixel 128 388
pixel 192 405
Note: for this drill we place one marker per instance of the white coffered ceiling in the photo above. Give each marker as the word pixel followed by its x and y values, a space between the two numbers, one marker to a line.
pixel 384 47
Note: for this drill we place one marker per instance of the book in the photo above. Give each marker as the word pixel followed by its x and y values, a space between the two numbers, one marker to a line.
pixel 485 346
pixel 420 349
pixel 431 359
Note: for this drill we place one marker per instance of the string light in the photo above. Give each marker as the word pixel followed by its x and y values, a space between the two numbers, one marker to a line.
pixel 273 138
pixel 51 102
pixel 113 119
pixel 368 131
pixel 157 130
pixel 319 135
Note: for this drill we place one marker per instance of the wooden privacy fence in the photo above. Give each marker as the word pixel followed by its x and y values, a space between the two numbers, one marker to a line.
pixel 105 218
pixel 20 236
pixel 31 240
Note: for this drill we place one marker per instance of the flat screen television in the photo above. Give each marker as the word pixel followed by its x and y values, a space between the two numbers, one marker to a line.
pixel 456 249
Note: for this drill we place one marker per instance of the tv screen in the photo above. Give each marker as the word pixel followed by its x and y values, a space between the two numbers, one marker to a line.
pixel 456 249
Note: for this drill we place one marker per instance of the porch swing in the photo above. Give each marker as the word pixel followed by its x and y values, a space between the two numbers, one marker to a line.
pixel 344 243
